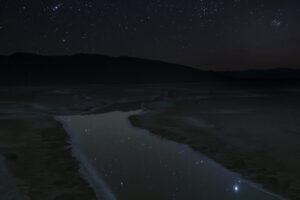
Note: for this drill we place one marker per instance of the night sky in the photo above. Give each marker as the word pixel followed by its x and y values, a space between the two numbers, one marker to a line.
pixel 210 34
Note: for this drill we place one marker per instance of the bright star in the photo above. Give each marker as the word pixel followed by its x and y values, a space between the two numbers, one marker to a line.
pixel 56 7
pixel 236 188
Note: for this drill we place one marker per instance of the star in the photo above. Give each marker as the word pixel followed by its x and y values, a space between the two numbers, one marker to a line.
pixel 57 7
pixel 174 31
pixel 236 188
pixel 276 23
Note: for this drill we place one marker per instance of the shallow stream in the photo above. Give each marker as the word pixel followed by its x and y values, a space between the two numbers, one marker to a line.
pixel 127 163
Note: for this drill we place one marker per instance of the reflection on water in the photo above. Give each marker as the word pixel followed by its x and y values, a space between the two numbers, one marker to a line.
pixel 137 165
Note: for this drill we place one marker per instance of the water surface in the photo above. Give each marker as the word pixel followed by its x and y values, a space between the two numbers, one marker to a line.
pixel 127 163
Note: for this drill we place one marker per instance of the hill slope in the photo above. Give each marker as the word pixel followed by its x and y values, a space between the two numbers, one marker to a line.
pixel 24 69
pixel 34 69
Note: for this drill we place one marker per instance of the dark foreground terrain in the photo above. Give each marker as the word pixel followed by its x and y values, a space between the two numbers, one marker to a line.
pixel 252 132
pixel 248 121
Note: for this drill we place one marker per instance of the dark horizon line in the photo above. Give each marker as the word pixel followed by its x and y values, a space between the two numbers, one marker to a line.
pixel 201 68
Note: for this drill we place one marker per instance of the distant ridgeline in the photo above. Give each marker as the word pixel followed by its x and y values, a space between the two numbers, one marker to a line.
pixel 30 69
pixel 89 69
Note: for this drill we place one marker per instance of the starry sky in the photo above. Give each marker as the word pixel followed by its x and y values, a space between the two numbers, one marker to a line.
pixel 209 34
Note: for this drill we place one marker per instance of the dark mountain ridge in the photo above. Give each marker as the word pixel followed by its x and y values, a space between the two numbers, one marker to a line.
pixel 25 68
pixel 277 73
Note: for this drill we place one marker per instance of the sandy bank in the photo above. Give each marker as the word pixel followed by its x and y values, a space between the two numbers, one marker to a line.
pixel 36 153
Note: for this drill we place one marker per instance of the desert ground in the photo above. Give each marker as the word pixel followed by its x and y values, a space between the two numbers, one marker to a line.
pixel 254 132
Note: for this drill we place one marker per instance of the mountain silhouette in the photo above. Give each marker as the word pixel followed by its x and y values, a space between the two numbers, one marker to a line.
pixel 25 68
